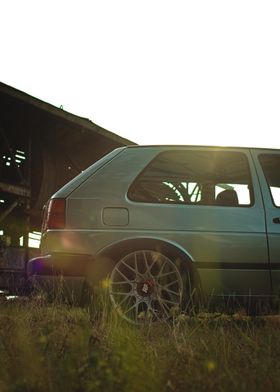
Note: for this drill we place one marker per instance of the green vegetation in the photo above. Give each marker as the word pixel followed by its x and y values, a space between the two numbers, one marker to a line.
pixel 56 347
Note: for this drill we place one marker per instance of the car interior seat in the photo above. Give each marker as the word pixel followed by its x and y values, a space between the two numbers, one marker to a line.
pixel 227 197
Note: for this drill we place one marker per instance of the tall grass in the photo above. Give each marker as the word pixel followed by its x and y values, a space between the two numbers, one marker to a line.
pixel 57 347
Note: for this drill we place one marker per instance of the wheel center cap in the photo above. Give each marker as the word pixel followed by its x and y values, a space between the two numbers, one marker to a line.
pixel 145 288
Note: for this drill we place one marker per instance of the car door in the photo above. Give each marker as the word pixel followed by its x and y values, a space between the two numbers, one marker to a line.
pixel 226 241
pixel 268 166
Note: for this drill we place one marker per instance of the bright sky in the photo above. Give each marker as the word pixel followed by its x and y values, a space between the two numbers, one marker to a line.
pixel 153 71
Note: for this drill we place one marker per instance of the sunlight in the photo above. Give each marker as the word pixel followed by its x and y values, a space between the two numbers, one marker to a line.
pixel 202 73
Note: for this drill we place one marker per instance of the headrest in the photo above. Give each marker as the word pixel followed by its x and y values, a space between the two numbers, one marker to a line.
pixel 227 198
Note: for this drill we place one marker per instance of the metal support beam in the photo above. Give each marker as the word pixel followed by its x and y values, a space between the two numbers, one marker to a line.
pixel 15 189
pixel 10 209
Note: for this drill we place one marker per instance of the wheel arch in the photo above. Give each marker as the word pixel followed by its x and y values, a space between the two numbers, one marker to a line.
pixel 122 247
pixel 108 256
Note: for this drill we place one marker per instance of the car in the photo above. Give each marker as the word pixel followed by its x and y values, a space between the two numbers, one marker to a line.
pixel 162 223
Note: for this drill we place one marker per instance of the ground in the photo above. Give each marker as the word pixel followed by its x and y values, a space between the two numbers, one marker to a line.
pixel 58 347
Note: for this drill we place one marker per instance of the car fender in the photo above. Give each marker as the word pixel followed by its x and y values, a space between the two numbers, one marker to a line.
pixel 106 258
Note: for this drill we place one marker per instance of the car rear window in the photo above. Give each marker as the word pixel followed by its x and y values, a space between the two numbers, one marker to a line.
pixel 195 177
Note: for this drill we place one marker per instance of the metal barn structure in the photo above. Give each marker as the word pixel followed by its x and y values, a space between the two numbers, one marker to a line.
pixel 41 148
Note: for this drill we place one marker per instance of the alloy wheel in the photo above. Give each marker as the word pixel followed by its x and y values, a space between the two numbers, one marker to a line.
pixel 146 285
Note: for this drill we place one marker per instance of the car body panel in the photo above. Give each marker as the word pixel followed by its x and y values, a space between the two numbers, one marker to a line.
pixel 228 245
pixel 273 229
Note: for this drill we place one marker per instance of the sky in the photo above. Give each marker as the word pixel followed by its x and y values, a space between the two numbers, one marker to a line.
pixel 154 72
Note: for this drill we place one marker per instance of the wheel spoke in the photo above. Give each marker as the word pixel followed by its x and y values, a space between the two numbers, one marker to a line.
pixel 135 305
pixel 120 293
pixel 164 288
pixel 124 299
pixel 128 266
pixel 166 274
pixel 153 311
pixel 146 262
pixel 137 308
pixel 136 265
pixel 169 302
pixel 125 278
pixel 153 263
pixel 164 309
pixel 171 283
pixel 162 268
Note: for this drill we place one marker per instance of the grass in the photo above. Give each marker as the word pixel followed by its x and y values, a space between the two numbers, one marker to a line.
pixel 56 347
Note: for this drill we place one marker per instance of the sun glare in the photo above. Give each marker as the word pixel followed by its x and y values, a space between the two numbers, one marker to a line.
pixel 203 73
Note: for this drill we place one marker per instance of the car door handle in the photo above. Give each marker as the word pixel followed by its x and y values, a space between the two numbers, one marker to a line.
pixel 276 220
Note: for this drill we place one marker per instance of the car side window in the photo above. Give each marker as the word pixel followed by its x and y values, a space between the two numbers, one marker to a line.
pixel 195 177
pixel 270 164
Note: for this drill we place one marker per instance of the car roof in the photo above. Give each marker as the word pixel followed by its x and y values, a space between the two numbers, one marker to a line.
pixel 199 146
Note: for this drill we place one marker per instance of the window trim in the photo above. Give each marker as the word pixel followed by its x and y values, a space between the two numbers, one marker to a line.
pixel 250 182
pixel 266 180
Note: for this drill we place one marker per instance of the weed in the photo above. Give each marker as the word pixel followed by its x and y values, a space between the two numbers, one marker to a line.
pixel 55 346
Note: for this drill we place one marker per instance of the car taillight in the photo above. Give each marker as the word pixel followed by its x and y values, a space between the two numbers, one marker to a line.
pixel 54 215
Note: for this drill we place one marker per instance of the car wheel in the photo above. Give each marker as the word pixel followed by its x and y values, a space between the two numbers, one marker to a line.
pixel 146 285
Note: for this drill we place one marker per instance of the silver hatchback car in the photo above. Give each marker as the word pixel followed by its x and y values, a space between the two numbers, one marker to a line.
pixel 162 222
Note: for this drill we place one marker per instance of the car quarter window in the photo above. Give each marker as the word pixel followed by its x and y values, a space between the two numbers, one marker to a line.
pixel 195 177
pixel 271 167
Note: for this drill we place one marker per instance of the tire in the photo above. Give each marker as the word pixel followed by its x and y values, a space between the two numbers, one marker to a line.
pixel 146 285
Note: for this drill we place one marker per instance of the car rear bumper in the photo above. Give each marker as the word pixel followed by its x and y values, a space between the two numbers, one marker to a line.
pixel 59 273
pixel 59 264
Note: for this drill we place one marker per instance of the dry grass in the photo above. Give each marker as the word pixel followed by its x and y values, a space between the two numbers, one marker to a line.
pixel 56 347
